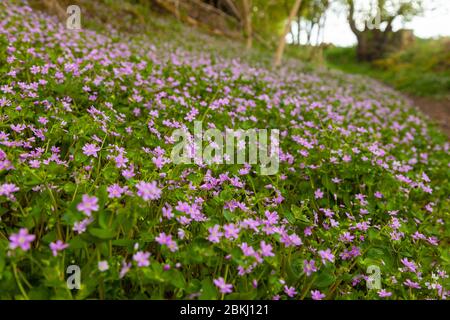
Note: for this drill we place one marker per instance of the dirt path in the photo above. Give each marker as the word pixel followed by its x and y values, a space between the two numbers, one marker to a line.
pixel 438 110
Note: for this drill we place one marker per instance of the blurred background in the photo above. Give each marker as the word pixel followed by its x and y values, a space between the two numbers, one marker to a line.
pixel 403 43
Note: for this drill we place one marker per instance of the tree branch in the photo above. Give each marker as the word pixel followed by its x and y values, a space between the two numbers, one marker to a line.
pixel 351 17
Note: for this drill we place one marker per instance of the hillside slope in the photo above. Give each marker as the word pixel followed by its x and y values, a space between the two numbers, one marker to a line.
pixel 87 176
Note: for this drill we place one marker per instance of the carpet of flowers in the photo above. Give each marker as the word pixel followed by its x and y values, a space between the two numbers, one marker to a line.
pixel 86 176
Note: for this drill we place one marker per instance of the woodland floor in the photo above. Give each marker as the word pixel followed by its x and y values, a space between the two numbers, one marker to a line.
pixel 438 110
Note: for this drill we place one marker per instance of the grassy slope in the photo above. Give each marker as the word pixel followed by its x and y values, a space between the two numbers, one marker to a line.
pixel 355 103
pixel 423 70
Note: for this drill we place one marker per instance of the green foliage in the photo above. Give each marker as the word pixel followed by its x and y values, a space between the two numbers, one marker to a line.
pixel 422 70
pixel 150 84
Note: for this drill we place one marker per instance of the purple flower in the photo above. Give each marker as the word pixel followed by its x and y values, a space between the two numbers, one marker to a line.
pixel 346 237
pixel 266 249
pixel 167 211
pixel 291 240
pixel 290 291
pixel 90 149
pixel 125 268
pixel 7 189
pixel 88 205
pixel 309 267
pixel 223 287
pixel 347 158
pixel 410 265
pixel 21 239
pixel 326 256
pixel 214 234
pixel 58 246
pixel 142 258
pixel 318 194
pixel 148 190
pixel 411 284
pixel 384 294
pixel 115 191
pixel 247 250
pixel 128 173
pixel 231 231
pixel 121 161
pixel 378 195
pixel 317 295
pixel 103 266
pixel 164 239
pixel 81 226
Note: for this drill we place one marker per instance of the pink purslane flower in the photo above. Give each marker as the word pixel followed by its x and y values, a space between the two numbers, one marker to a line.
pixel 411 284
pixel 247 250
pixel 167 211
pixel 125 268
pixel 318 194
pixel 7 190
pixel 57 246
pixel 309 267
pixel 142 258
pixel 91 149
pixel 115 191
pixel 21 239
pixel 164 239
pixel 410 266
pixel 378 195
pixel 384 294
pixel 88 205
pixel 326 256
pixel 148 190
pixel 214 234
pixel 81 226
pixel 103 266
pixel 266 249
pixel 223 287
pixel 290 291
pixel 317 295
pixel 231 231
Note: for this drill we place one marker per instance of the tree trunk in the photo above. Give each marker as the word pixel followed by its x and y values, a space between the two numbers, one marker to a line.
pixel 282 41
pixel 319 28
pixel 247 6
pixel 323 27
pixel 372 43
pixel 55 8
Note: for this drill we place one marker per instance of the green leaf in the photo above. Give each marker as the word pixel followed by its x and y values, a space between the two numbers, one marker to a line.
pixel 298 214
pixel 325 279
pixel 103 220
pixel 101 233
pixel 228 215
pixel 123 242
pixel 209 291
pixel 2 261
pixel 77 243
pixel 226 195
pixel 176 278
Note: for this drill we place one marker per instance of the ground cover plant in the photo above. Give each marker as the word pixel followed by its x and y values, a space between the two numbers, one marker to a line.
pixel 87 179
